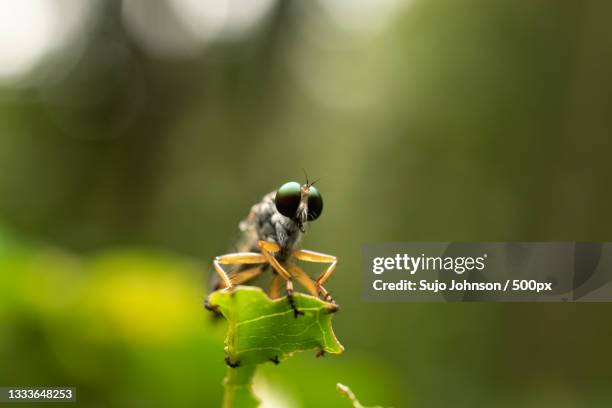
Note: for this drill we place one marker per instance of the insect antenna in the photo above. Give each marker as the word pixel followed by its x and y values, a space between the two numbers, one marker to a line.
pixel 307 182
pixel 305 175
pixel 312 184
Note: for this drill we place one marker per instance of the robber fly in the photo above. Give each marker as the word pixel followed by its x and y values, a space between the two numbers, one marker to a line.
pixel 269 236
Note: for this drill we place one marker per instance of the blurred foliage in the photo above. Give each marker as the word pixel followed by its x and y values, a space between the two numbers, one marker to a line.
pixel 480 120
pixel 124 327
pixel 346 391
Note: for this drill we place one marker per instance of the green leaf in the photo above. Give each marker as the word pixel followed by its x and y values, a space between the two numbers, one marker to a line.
pixel 261 329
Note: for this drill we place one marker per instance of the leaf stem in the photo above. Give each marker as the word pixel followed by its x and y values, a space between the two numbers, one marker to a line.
pixel 238 387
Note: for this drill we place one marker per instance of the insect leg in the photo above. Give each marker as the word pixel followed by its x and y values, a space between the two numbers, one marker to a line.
pixel 311 256
pixel 267 248
pixel 325 295
pixel 307 282
pixel 236 258
pixel 303 278
pixel 245 275
pixel 275 286
pixel 296 312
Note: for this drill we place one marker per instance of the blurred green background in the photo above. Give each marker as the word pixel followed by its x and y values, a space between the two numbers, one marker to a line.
pixel 135 135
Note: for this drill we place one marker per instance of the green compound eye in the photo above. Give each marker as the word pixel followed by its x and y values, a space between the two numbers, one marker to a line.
pixel 315 204
pixel 287 199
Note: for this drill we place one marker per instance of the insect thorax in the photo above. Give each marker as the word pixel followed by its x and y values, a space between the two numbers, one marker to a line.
pixel 266 223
